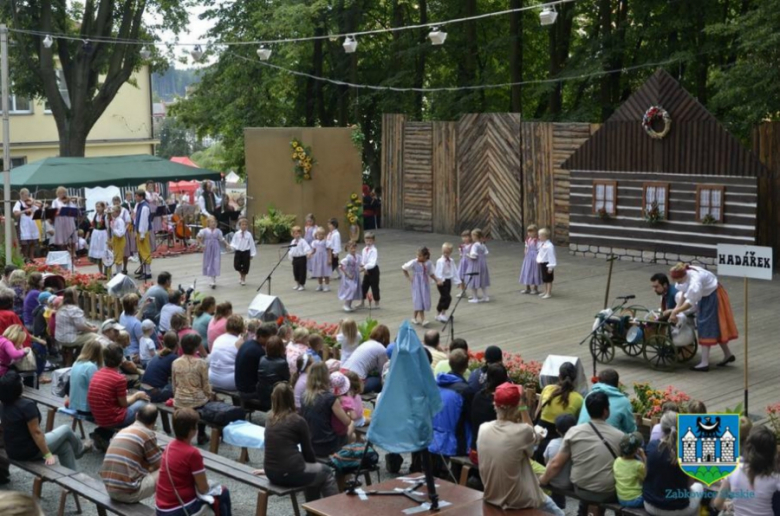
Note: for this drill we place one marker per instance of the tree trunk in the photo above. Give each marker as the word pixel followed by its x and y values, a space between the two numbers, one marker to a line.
pixel 419 79
pixel 560 41
pixel 605 21
pixel 516 55
pixel 469 67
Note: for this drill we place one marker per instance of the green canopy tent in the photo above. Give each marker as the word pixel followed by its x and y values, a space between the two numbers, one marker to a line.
pixel 104 171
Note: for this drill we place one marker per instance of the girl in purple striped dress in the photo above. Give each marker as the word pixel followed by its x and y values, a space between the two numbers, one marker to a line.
pixel 463 250
pixel 477 265
pixel 309 230
pixel 422 271
pixel 319 260
pixel 531 273
pixel 349 289
pixel 210 238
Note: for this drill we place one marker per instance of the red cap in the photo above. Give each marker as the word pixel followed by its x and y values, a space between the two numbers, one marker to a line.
pixel 508 395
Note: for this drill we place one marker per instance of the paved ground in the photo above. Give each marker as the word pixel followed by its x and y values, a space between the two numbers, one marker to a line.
pixel 533 327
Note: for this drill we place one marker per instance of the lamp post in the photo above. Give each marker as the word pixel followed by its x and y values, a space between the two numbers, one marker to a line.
pixel 6 145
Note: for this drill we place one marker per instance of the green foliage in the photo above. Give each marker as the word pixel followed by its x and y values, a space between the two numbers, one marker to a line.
pixel 212 158
pixel 739 409
pixel 366 327
pixel 177 140
pixel 16 258
pixel 274 227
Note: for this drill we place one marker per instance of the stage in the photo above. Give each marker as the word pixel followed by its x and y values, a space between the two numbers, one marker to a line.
pixel 522 323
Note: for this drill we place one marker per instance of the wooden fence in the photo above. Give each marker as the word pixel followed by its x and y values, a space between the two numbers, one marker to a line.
pixel 766 145
pixel 491 171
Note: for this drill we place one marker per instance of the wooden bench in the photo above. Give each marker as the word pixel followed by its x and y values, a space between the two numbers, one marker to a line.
pixel 44 473
pixel 166 415
pixel 93 490
pixel 341 478
pixel 237 401
pixel 243 474
pixel 465 467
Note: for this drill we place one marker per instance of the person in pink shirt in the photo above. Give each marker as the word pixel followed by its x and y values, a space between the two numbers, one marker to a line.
pixel 355 390
pixel 218 324
pixel 12 351
pixel 339 384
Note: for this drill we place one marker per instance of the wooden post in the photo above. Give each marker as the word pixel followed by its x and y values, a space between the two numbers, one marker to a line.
pixel 611 261
pixel 93 302
pixel 746 346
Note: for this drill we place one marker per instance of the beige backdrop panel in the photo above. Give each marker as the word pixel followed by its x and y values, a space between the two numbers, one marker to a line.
pixel 271 180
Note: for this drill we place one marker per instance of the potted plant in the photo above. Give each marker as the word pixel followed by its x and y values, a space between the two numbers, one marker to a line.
pixel 603 214
pixel 773 413
pixel 274 227
pixel 654 215
pixel 708 220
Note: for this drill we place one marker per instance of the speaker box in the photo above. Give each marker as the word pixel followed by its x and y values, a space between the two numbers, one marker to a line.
pixel 266 308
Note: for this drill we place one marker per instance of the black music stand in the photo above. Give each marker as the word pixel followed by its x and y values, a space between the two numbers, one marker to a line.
pixel 451 319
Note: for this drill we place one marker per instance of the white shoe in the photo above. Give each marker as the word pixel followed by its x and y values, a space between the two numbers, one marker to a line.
pixel 301 288
pixel 242 283
pixel 442 318
pixel 319 288
pixel 348 308
pixel 133 259
pixel 376 307
pixel 361 305
pixel 425 324
pixel 416 322
pixel 297 287
pixel 462 294
pixel 546 296
pixel 474 300
pixel 326 288
pixel 485 299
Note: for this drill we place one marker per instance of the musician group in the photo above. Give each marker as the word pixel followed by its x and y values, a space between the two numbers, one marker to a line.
pixel 127 228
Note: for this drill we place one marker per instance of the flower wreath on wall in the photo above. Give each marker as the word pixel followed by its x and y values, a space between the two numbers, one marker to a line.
pixel 303 161
pixel 652 114
pixel 354 210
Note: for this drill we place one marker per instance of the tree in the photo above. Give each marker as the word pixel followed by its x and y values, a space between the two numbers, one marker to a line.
pixel 80 77
pixel 176 139
pixel 212 158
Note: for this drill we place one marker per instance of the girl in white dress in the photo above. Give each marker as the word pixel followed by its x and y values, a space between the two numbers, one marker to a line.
pixel 28 230
pixel 98 242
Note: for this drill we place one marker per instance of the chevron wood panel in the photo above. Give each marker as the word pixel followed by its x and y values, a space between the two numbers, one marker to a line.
pixel 566 139
pixel 418 176
pixel 392 171
pixel 489 184
pixel 538 206
pixel 445 177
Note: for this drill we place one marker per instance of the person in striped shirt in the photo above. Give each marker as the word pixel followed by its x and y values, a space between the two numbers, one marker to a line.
pixel 131 466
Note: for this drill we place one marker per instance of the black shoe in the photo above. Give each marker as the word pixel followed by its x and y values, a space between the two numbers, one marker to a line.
pixel 727 361
pixel 124 271
pixel 5 480
pixel 701 369
pixel 393 462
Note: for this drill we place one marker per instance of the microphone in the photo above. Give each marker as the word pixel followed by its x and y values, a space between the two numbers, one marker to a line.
pixel 472 274
pixel 627 297
pixel 288 246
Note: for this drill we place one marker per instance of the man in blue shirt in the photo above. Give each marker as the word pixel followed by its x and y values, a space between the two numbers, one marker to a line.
pixel 663 288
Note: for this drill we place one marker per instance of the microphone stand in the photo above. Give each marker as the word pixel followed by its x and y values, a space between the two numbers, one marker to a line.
pixel 451 319
pixel 268 278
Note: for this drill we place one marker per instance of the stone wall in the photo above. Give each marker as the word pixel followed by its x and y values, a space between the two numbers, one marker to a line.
pixel 636 255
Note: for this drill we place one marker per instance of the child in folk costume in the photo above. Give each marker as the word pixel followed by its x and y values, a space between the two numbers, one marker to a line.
pixel 369 265
pixel 547 262
pixel 126 215
pixel 422 271
pixel 210 238
pixel 319 261
pixel 531 273
pixel 334 244
pixel 118 236
pixel 715 321
pixel 463 251
pixel 243 243
pixel 299 250
pixel 477 273
pixel 309 230
pixel 155 201
pixel 142 224
pixel 64 226
pixel 446 276
pixel 98 240
pixel 82 249
pixel 349 289
pixel 29 233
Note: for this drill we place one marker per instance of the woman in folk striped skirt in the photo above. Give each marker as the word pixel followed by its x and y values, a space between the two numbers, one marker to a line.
pixel 715 322
pixel 127 215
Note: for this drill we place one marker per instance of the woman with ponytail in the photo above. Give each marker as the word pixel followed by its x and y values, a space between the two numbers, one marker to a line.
pixel 558 399
pixel 664 475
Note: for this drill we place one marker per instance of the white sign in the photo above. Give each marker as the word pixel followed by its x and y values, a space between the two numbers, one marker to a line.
pixel 745 261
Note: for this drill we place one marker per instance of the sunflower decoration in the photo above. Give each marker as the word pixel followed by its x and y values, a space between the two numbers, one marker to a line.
pixel 303 162
pixel 354 210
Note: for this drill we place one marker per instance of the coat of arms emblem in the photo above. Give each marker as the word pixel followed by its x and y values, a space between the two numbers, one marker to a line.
pixel 708 445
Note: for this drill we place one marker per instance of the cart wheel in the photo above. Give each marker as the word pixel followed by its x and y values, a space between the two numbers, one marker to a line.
pixel 634 350
pixel 601 348
pixel 686 353
pixel 660 352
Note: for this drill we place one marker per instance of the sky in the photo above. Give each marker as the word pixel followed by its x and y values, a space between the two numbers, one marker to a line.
pixel 197 33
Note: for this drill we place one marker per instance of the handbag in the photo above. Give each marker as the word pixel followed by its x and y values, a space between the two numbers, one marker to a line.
pixel 27 363
pixel 354 457
pixel 205 509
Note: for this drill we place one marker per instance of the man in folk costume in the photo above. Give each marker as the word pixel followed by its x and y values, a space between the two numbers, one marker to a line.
pixel 715 320
pixel 143 226
pixel 208 202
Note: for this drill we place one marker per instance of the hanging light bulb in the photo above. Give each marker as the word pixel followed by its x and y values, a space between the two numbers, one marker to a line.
pixel 48 41
pixel 548 16
pixel 145 53
pixel 264 53
pixel 350 45
pixel 196 53
pixel 437 37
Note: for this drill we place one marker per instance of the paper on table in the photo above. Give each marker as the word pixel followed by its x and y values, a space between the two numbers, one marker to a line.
pixel 425 507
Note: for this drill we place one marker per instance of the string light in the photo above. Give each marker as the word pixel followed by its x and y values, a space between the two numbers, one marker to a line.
pixel 548 16
pixel 145 53
pixel 196 53
pixel 264 53
pixel 350 45
pixel 437 37
pixel 48 41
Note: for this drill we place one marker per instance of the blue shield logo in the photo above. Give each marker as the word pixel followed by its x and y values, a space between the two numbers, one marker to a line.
pixel 708 445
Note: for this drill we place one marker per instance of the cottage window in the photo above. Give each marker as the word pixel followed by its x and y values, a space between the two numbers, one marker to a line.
pixel 605 197
pixel 709 202
pixel 19 105
pixel 655 197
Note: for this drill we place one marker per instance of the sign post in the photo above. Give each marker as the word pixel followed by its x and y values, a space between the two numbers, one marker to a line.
pixel 745 261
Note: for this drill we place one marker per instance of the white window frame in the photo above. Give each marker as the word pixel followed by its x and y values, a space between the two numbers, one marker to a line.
pixel 650 194
pixel 12 110
pixel 604 193
pixel 709 207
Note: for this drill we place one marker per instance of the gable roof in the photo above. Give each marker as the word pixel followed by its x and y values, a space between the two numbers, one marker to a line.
pixel 697 143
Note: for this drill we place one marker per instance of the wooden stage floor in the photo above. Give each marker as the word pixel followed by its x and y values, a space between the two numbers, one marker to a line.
pixel 526 324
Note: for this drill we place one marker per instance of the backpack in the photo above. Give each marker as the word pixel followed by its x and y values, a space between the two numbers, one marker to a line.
pixel 60 382
pixel 222 414
pixel 354 457
pixel 39 327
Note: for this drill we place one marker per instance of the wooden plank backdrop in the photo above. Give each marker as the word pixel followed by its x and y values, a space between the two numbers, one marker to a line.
pixel 766 145
pixel 392 167
pixel 445 177
pixel 538 205
pixel 473 196
pixel 418 176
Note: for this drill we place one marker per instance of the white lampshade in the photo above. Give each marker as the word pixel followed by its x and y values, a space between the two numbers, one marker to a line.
pixel 145 53
pixel 548 16
pixel 437 37
pixel 264 53
pixel 48 41
pixel 196 53
pixel 350 45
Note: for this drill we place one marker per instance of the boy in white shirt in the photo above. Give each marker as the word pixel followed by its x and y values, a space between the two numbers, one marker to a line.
pixel 546 260
pixel 446 276
pixel 146 346
pixel 369 265
pixel 299 250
